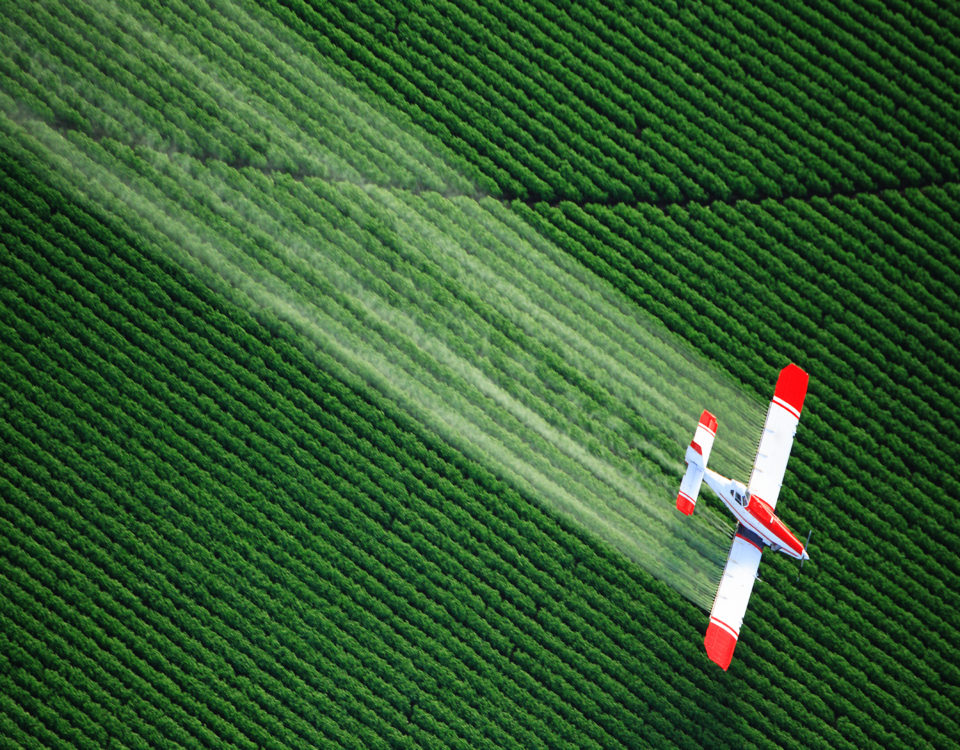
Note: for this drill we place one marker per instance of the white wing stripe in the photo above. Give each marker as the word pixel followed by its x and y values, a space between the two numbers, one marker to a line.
pixel 726 627
pixel 780 402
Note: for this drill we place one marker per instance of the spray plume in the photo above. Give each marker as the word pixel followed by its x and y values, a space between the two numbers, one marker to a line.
pixel 451 307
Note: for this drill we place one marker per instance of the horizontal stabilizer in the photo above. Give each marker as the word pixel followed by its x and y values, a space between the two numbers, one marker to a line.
pixel 685 503
pixel 697 455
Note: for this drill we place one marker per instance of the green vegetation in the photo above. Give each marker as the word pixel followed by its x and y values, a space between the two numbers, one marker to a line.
pixel 326 333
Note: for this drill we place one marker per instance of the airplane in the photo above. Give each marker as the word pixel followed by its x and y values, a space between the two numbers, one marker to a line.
pixel 752 505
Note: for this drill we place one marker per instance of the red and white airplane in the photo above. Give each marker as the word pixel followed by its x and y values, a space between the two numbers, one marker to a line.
pixel 752 506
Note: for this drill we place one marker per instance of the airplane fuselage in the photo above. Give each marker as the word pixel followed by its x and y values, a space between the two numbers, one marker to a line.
pixel 756 515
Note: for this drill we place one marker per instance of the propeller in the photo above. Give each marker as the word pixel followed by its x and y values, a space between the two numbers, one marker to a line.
pixel 806 544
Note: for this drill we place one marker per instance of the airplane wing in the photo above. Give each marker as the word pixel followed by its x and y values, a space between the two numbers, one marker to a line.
pixel 730 604
pixel 783 415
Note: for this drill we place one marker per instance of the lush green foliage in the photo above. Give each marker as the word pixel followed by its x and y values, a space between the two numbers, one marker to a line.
pixel 213 535
pixel 593 101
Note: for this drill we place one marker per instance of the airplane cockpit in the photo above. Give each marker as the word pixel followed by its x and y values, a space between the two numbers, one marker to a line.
pixel 740 494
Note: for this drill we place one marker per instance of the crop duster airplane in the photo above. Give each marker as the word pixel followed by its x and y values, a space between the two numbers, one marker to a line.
pixel 752 506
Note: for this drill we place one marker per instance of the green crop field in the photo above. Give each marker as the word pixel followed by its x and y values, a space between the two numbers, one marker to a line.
pixel 349 352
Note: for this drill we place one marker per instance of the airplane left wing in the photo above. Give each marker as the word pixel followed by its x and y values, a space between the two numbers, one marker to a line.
pixel 730 604
pixel 778 431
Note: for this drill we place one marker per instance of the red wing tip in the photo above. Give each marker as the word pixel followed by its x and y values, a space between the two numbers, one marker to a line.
pixel 693 444
pixel 684 504
pixel 720 645
pixel 709 421
pixel 792 386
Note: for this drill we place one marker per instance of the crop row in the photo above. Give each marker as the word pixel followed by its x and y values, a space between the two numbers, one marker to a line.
pixel 172 367
pixel 169 460
pixel 158 96
pixel 567 86
pixel 583 152
pixel 515 351
pixel 225 480
pixel 133 368
pixel 262 548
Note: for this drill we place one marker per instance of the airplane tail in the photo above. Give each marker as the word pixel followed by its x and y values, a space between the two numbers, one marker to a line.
pixel 698 453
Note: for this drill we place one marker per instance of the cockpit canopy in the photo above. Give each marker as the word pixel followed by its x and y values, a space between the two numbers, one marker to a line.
pixel 740 494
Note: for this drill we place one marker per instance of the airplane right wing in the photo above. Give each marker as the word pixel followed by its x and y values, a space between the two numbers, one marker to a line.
pixel 730 604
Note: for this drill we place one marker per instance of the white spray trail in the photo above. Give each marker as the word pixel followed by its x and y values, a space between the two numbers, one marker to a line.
pixel 585 406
